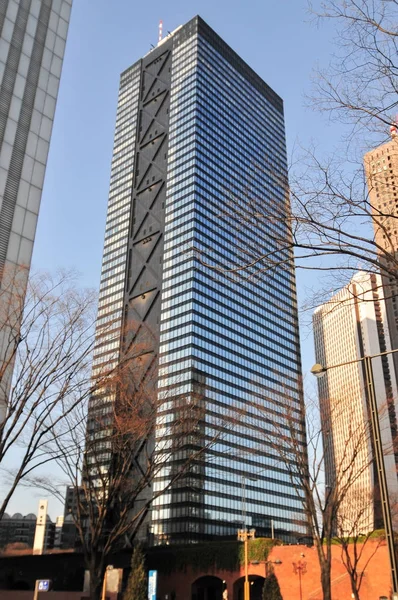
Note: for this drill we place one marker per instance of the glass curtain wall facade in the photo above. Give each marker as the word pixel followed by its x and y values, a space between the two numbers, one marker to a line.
pixel 237 338
pixel 32 43
pixel 113 273
pixel 207 130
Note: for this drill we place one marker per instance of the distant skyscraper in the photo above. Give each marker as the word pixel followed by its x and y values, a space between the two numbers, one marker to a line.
pixel 199 151
pixel 32 43
pixel 351 325
pixel 381 167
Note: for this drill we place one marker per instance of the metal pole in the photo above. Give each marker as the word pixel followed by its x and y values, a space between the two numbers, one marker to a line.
pixel 301 591
pixel 319 370
pixel 247 588
pixel 381 469
pixel 103 595
pixel 272 529
pixel 36 592
pixel 244 503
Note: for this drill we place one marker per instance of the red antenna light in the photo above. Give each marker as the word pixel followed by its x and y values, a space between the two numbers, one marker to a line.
pixel 394 128
pixel 160 31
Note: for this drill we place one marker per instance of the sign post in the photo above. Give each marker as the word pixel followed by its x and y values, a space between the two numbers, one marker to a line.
pixel 105 581
pixel 41 585
pixel 152 584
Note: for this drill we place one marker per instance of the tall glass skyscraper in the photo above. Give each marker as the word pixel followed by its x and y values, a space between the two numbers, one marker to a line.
pixel 199 157
pixel 32 45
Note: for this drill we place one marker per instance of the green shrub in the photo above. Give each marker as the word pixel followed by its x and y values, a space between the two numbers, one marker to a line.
pixel 271 589
pixel 137 582
pixel 228 556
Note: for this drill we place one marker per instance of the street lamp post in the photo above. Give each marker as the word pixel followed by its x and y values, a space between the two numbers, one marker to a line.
pixel 244 535
pixel 319 370
pixel 268 566
pixel 300 568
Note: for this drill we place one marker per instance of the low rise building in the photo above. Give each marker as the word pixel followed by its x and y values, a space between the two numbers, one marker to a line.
pixel 20 529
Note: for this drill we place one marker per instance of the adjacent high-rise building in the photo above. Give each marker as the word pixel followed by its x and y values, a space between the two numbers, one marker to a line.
pixel 199 163
pixel 381 168
pixel 351 325
pixel 32 44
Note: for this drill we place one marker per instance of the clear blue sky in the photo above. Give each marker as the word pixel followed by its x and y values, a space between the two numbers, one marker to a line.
pixel 277 39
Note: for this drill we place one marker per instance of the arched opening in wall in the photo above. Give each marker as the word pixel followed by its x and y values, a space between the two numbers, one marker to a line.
pixel 207 588
pixel 256 588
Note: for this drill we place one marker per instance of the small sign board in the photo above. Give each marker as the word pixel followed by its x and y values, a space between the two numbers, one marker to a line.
pixel 152 584
pixel 43 585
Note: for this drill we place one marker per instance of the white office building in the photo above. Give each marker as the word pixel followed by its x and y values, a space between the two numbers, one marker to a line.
pixel 353 324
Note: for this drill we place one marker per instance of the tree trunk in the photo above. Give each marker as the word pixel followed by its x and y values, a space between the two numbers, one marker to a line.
pixel 96 570
pixel 325 562
pixel 325 581
pixel 95 589
pixel 354 590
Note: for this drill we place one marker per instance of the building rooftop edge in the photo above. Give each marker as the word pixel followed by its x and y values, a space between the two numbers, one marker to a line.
pixel 380 146
pixel 359 277
pixel 240 63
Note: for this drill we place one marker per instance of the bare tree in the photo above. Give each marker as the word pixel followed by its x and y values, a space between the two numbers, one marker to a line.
pixel 46 339
pixel 326 500
pixel 353 542
pixel 331 213
pixel 134 436
pixel 332 222
pixel 361 85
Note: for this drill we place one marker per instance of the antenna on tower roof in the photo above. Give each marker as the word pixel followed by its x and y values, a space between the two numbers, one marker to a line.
pixel 160 31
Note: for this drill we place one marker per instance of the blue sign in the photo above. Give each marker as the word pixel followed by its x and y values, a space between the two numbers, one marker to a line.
pixel 152 584
pixel 44 585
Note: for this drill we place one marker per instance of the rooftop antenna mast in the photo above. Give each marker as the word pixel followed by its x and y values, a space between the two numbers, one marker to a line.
pixel 160 31
pixel 394 128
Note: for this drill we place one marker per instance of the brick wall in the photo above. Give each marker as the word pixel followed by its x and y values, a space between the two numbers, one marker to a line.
pixel 376 581
pixel 178 585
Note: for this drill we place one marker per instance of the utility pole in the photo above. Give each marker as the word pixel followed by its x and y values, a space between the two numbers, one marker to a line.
pixel 36 590
pixel 300 568
pixel 243 536
pixel 381 470
pixel 319 371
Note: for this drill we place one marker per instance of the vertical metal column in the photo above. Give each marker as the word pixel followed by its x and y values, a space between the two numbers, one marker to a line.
pixel 381 470
pixel 246 594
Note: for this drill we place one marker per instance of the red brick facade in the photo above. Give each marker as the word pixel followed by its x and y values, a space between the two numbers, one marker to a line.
pixel 376 581
pixel 178 585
